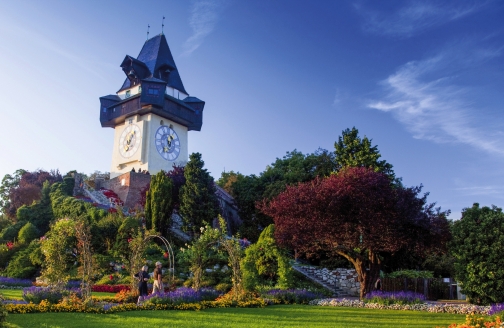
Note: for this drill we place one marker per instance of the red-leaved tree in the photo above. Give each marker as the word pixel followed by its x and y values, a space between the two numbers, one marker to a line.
pixel 356 214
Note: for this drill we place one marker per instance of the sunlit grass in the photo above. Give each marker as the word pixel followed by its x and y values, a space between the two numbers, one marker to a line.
pixel 16 294
pixel 272 316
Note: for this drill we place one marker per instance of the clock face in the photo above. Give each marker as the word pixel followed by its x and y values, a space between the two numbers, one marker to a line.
pixel 167 143
pixel 129 142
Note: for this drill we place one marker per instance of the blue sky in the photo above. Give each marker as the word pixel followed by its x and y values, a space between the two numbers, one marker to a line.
pixel 423 79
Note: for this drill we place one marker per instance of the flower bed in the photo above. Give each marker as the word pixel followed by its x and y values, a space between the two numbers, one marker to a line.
pixel 112 196
pixel 389 298
pixel 110 288
pixel 477 321
pixel 39 294
pixel 107 307
pixel 427 307
pixel 182 295
pixel 291 296
pixel 7 282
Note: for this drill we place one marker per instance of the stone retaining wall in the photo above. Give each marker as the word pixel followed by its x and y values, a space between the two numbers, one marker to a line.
pixel 346 279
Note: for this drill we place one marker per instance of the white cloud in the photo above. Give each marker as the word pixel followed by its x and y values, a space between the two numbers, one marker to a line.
pixel 204 16
pixel 482 191
pixel 423 96
pixel 416 16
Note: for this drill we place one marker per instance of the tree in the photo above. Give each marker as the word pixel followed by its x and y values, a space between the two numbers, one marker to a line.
pixel 198 202
pixel 40 213
pixel 227 180
pixel 356 214
pixel 25 189
pixel 352 151
pixel 158 203
pixel 9 182
pixel 478 241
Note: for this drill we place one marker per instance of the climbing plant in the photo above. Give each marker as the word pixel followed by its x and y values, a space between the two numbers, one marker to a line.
pixel 211 244
pixel 58 249
pixel 83 235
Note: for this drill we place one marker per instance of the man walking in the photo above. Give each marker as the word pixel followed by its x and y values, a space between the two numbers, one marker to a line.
pixel 158 279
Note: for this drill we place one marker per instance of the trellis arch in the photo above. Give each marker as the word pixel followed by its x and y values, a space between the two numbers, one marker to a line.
pixel 136 257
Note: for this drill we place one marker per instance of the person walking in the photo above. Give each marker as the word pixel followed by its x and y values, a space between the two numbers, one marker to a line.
pixel 143 277
pixel 158 279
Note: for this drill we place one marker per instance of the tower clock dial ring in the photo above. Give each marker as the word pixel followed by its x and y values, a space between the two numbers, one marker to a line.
pixel 129 141
pixel 167 143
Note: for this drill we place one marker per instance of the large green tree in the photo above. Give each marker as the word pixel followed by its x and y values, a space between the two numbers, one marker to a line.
pixel 198 202
pixel 158 203
pixel 478 241
pixel 352 151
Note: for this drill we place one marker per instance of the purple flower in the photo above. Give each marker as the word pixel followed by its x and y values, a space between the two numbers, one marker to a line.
pixel 387 298
pixel 496 308
pixel 182 295
pixel 6 281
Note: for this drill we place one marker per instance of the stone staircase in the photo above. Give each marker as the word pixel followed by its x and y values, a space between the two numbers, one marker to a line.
pixel 314 275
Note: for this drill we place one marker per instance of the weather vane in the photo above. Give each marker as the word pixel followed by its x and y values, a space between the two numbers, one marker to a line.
pixel 162 25
pixel 148 27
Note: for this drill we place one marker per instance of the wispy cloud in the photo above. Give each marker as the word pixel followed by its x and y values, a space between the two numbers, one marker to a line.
pixel 204 16
pixel 482 191
pixel 424 97
pixel 416 16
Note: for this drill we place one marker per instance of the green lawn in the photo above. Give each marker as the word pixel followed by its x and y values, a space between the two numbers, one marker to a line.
pixel 271 316
pixel 16 294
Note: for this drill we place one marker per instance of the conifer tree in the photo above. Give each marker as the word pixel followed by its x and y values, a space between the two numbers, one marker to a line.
pixel 158 203
pixel 198 202
pixel 352 151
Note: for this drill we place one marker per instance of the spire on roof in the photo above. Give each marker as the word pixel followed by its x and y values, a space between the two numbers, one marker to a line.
pixel 156 55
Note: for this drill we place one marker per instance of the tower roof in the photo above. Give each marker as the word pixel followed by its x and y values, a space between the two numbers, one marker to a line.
pixel 156 55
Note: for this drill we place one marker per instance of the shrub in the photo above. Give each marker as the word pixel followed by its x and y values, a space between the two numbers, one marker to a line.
pixel 411 274
pixel 21 265
pixel 291 296
pixel 126 296
pixel 3 312
pixel 38 294
pixel 223 287
pixel 11 232
pixel 266 264
pixel 388 298
pixel 27 233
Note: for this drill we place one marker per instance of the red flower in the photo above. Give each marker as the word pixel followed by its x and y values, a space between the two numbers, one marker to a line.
pixel 129 240
pixel 166 255
pixel 111 277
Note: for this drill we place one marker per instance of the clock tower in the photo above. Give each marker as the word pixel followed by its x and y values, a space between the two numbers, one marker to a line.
pixel 151 113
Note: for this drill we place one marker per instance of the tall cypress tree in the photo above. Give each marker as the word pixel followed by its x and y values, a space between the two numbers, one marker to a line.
pixel 158 203
pixel 198 202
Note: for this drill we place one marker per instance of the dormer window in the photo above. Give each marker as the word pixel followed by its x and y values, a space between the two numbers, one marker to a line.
pixel 128 93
